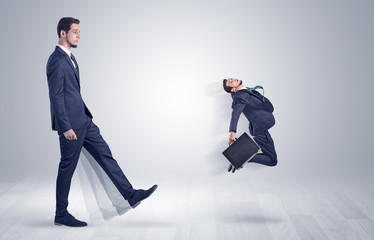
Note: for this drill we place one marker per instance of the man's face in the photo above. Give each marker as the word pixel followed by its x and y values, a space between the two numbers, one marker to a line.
pixel 233 82
pixel 73 35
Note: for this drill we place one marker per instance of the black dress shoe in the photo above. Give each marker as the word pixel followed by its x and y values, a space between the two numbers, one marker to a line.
pixel 69 220
pixel 231 168
pixel 140 195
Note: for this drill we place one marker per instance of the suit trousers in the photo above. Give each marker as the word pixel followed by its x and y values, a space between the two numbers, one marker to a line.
pixel 268 156
pixel 88 136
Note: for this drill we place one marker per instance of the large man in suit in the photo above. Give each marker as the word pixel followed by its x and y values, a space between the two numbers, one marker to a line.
pixel 258 110
pixel 73 122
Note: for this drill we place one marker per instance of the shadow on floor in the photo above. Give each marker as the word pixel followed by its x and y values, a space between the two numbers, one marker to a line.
pixel 252 219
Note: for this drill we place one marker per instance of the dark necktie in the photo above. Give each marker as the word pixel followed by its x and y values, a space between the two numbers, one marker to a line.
pixel 73 59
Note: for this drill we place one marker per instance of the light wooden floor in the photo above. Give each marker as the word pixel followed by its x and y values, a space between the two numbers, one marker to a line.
pixel 215 207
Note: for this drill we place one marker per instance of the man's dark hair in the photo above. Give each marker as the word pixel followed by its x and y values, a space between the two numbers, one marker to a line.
pixel 227 88
pixel 65 24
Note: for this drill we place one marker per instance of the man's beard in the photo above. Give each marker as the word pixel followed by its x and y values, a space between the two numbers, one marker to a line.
pixel 71 45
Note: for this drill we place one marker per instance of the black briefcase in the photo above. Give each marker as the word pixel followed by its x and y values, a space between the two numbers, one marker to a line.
pixel 241 151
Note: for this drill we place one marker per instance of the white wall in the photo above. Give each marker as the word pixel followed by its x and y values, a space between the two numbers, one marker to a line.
pixel 151 74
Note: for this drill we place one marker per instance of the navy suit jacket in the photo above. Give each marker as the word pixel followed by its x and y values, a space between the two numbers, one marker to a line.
pixel 258 112
pixel 68 110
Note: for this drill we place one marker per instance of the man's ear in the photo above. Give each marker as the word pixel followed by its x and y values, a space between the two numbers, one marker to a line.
pixel 233 90
pixel 63 33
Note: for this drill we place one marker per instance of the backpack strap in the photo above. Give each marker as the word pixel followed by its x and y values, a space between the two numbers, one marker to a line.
pixel 258 87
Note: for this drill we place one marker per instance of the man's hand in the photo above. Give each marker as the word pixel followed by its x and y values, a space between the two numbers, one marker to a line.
pixel 232 137
pixel 70 135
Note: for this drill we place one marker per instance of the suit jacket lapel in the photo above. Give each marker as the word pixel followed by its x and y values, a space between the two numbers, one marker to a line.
pixel 76 71
pixel 253 94
pixel 71 65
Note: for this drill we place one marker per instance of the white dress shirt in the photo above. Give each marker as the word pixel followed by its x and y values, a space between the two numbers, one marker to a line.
pixel 67 52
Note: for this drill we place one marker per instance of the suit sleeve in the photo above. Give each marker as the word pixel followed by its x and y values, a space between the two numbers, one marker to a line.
pixel 55 77
pixel 238 106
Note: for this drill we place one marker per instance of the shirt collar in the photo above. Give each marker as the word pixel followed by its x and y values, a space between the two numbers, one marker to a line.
pixel 64 49
pixel 242 88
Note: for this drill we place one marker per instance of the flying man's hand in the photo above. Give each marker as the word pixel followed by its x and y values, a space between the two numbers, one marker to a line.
pixel 232 137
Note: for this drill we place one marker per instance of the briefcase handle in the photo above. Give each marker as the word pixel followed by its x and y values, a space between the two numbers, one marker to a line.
pixel 233 141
